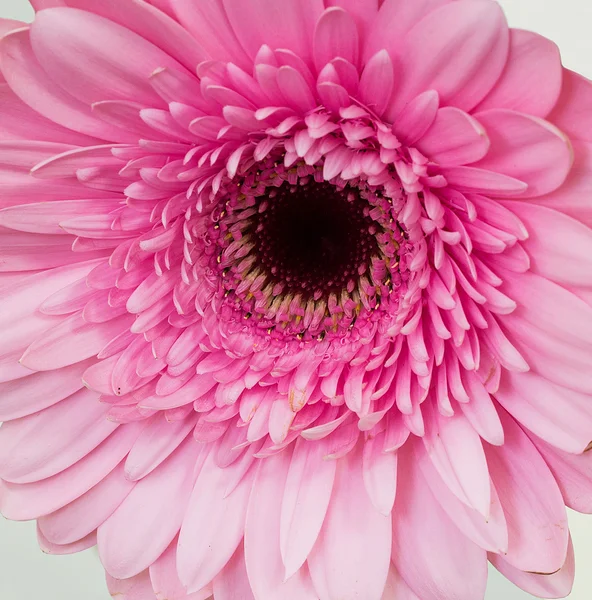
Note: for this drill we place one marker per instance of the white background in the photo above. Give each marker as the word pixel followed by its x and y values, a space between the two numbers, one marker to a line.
pixel 27 574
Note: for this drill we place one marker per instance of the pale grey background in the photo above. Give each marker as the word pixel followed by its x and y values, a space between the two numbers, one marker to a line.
pixel 27 574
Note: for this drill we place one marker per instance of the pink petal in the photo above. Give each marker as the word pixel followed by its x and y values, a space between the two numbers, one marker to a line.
pixel 88 512
pixel 213 525
pixel 454 139
pixel 364 14
pixel 58 550
pixel 151 24
pixel 537 523
pixel 555 585
pixel 122 65
pixel 336 35
pixel 305 501
pixel 295 89
pixel 233 583
pixel 546 306
pixel 572 111
pixel 156 442
pixel 143 526
pixel 396 588
pixel 207 22
pixel 528 149
pixel 417 117
pixel 353 551
pixel 33 500
pixel 435 559
pixel 568 264
pixel 573 474
pixel 457 453
pixel 490 534
pixel 561 417
pixel 571 197
pixel 262 536
pixel 393 20
pixel 472 179
pixel 135 588
pixel 277 23
pixel 376 83
pixel 380 474
pixel 459 50
pixel 531 81
pixel 32 84
pixel 42 4
pixel 76 341
pixel 18 120
pixel 165 581
pixel 31 394
pixel 30 450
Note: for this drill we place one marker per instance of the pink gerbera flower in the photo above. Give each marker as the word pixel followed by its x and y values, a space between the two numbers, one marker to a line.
pixel 296 296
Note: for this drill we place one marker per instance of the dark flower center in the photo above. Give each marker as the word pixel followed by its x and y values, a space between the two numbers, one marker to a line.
pixel 314 238
pixel 301 257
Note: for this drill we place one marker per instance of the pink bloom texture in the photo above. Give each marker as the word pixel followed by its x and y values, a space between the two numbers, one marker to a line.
pixel 296 296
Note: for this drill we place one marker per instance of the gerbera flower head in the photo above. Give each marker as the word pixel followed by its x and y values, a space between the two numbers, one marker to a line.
pixel 296 296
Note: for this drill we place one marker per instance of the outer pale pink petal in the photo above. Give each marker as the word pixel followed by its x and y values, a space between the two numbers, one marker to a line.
pixel 568 264
pixel 233 583
pixel 305 501
pixel 213 525
pixel 572 112
pixel 262 536
pixel 158 440
pixel 572 197
pixel 32 84
pixel 354 547
pixel 76 340
pixel 141 529
pixel 59 549
pixel 380 474
pixel 528 149
pixel 150 23
pixel 31 394
pixel 208 23
pixel 7 25
pixel 376 83
pixel 531 81
pixel 561 417
pixel 88 512
pixel 165 5
pixel 30 448
pixel 165 581
pixel 537 523
pixel 135 588
pixel 393 20
pixel 435 559
pixel 278 23
pixel 490 534
pixel 42 4
pixel 457 453
pixel 396 588
pixel 17 120
pixel 555 585
pixel 550 308
pixel 459 50
pixel 455 138
pixel 122 60
pixel 336 35
pixel 573 474
pixel 33 500
pixel 45 217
